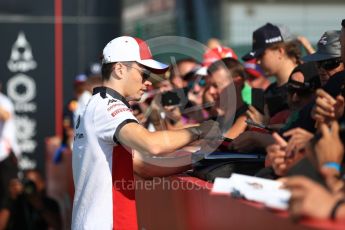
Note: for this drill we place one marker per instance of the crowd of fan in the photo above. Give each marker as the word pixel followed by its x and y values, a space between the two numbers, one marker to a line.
pixel 277 101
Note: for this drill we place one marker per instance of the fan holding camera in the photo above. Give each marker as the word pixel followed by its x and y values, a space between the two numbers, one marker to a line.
pixel 165 110
pixel 175 108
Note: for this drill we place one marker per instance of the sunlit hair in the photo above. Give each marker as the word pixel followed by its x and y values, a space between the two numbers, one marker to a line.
pixel 292 50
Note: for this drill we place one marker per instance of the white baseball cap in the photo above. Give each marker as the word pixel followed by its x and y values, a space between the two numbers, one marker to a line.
pixel 127 48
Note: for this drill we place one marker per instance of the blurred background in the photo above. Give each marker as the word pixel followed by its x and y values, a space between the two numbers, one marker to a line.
pixel 45 44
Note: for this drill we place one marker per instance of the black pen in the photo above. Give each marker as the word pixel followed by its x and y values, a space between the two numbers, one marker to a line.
pixel 257 125
pixel 227 139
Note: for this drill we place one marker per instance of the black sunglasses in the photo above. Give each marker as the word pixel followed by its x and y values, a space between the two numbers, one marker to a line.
pixel 200 80
pixel 329 64
pixel 145 74
pixel 301 89
pixel 300 92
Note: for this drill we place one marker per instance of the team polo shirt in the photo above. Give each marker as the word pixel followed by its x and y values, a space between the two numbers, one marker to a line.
pixel 102 169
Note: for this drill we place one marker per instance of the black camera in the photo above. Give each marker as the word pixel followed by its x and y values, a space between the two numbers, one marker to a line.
pixel 29 187
pixel 170 98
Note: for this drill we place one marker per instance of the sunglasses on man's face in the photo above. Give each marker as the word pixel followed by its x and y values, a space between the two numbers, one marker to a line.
pixel 145 74
pixel 328 64
pixel 300 88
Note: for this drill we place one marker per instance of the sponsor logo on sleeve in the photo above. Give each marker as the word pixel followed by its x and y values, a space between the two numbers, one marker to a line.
pixel 113 106
pixel 116 112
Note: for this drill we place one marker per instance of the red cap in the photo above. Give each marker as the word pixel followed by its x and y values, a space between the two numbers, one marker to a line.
pixel 218 53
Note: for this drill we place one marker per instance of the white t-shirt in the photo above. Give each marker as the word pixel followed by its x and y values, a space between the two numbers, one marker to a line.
pixel 95 146
pixel 8 140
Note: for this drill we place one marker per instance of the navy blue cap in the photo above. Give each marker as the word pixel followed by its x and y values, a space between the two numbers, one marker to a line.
pixel 265 36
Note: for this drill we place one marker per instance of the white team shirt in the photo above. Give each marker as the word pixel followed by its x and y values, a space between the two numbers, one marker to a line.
pixel 82 102
pixel 95 137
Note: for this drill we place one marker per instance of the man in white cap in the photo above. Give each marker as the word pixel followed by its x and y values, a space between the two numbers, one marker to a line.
pixel 102 168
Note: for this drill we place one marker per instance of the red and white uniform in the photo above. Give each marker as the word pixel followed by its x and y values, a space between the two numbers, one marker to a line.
pixel 102 169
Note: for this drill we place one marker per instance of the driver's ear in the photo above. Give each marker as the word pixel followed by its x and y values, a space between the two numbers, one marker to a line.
pixel 119 70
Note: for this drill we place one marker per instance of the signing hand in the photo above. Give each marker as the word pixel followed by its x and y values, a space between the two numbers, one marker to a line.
pixel 254 115
pixel 298 141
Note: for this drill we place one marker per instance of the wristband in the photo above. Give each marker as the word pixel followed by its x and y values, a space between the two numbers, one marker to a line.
pixel 335 208
pixel 333 165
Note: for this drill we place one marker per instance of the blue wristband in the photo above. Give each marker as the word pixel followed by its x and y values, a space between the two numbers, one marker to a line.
pixel 334 165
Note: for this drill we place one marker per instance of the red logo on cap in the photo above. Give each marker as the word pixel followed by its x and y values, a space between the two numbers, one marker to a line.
pixel 144 49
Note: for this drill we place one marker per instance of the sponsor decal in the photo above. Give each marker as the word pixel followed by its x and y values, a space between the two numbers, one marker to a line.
pixel 114 106
pixel 21 59
pixel 120 111
pixel 275 39
pixel 111 101
pixel 21 88
pixel 323 40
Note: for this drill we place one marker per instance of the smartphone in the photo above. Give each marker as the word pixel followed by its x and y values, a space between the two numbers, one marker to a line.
pixel 170 98
pixel 318 135
pixel 258 99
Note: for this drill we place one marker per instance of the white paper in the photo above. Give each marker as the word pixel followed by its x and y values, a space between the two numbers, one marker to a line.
pixel 268 192
pixel 222 185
